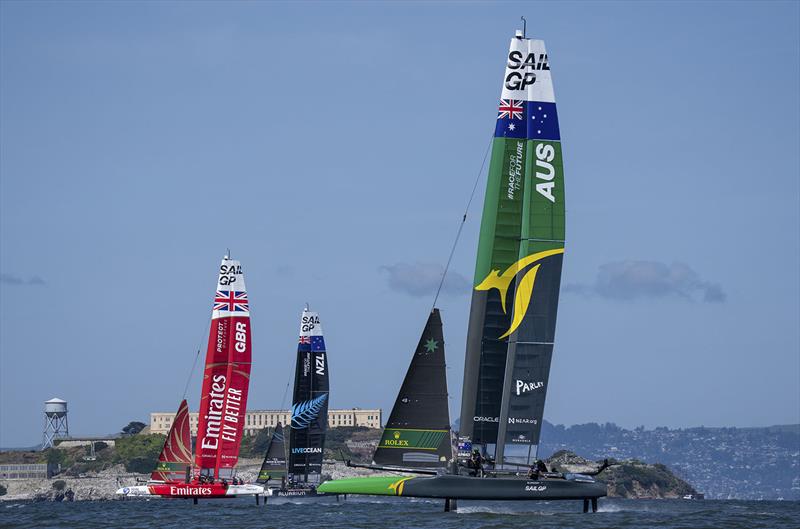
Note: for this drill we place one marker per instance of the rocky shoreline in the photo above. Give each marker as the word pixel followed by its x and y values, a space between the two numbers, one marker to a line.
pixel 103 485
pixel 631 479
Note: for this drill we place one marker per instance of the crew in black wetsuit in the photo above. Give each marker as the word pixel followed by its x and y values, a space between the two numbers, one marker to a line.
pixel 536 469
pixel 476 463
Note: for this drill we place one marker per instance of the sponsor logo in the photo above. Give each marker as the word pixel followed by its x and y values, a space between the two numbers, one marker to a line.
pixel 524 289
pixel 222 419
pixel 412 439
pixel 535 488
pixel 523 69
pixel 308 322
pixel 228 273
pixel 522 420
pixel 190 491
pixel 478 418
pixel 396 441
pixel 307 450
pixel 291 493
pixel 515 170
pixel 524 387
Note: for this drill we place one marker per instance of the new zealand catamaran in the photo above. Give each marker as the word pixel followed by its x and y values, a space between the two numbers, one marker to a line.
pixel 512 320
pixel 309 420
pixel 223 401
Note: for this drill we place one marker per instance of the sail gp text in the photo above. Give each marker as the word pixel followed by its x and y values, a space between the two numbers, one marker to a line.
pixel 228 273
pixel 522 72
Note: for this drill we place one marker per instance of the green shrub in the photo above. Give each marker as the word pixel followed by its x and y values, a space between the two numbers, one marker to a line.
pixel 139 453
pixel 133 428
pixel 59 484
pixel 3 490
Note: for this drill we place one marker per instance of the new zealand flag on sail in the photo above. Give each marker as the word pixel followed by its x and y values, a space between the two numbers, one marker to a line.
pixel 311 343
pixel 527 119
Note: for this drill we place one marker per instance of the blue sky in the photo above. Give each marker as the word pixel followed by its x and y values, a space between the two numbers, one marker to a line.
pixel 333 147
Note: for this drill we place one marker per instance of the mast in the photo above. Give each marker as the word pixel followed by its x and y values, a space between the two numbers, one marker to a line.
pixel 176 454
pixel 309 402
pixel 518 269
pixel 226 377
pixel 417 433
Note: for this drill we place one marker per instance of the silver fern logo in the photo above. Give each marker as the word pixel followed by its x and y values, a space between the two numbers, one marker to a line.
pixel 304 413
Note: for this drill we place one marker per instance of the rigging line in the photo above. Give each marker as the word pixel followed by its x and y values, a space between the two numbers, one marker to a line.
pixel 285 391
pixel 188 380
pixel 463 221
pixel 194 364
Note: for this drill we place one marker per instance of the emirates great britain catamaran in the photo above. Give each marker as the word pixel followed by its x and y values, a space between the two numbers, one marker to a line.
pixel 223 401
pixel 513 313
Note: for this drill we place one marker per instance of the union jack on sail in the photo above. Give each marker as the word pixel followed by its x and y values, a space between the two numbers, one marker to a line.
pixel 231 301
pixel 510 108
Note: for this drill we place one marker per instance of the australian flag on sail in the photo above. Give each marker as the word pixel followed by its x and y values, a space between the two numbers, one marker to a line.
pixel 527 120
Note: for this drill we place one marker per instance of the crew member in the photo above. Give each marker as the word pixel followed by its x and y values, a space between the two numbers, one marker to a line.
pixel 477 463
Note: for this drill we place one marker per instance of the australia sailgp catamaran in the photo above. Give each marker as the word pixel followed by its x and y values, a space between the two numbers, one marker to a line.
pixel 223 401
pixel 513 313
pixel 309 423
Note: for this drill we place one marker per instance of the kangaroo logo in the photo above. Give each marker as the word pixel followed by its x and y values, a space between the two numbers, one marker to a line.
pixel 524 290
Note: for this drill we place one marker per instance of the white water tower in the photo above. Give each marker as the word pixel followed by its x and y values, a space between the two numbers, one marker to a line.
pixel 55 422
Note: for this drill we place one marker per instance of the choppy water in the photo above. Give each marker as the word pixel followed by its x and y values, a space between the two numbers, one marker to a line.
pixel 403 513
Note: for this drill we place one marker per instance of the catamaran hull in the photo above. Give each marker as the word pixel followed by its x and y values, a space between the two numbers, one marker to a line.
pixel 467 488
pixel 190 490
pixel 279 495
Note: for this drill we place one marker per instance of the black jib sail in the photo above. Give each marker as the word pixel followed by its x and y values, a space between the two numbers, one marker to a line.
pixel 274 465
pixel 417 433
pixel 309 403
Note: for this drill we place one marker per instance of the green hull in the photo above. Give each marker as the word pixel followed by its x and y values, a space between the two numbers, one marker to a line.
pixel 374 485
pixel 467 488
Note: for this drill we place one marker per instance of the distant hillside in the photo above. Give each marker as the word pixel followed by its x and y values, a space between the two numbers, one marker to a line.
pixel 745 463
pixel 626 479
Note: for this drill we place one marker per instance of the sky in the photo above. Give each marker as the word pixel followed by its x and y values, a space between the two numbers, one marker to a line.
pixel 333 148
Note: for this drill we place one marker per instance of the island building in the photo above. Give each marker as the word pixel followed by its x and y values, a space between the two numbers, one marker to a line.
pixel 256 420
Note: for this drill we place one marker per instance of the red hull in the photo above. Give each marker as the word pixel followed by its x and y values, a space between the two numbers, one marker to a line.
pixel 189 490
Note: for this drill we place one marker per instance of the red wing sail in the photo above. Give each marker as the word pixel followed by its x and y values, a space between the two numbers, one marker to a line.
pixel 223 399
pixel 177 452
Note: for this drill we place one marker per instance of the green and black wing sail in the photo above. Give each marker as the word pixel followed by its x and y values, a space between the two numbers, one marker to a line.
pixel 274 465
pixel 417 433
pixel 518 271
